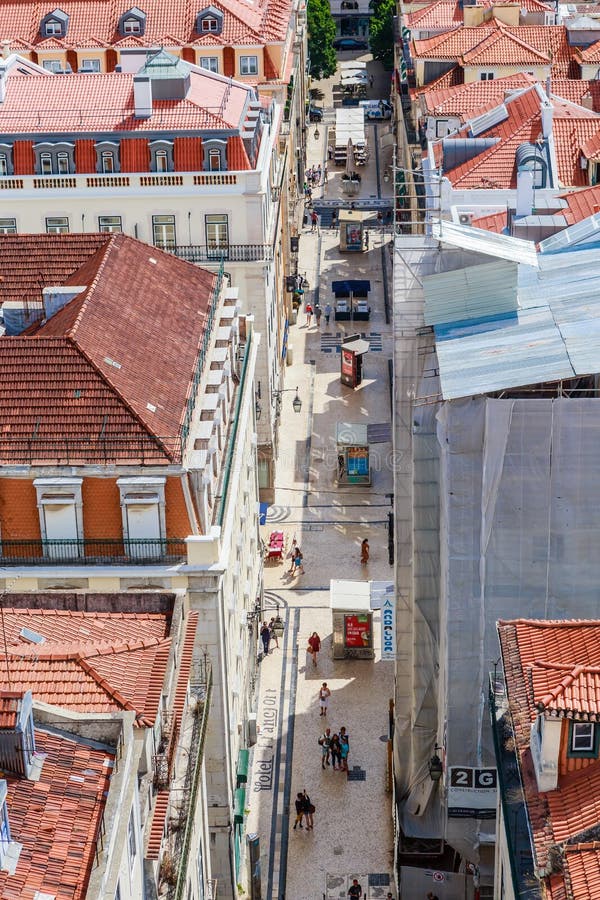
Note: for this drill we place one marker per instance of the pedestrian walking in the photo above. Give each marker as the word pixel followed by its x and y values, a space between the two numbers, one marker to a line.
pixel 318 316
pixel 355 890
pixel 299 804
pixel 341 465
pixel 291 556
pixel 344 735
pixel 380 218
pixel 344 751
pixel 309 811
pixel 327 313
pixel 325 743
pixel 314 645
pixel 314 220
pixel 298 562
pixel 273 633
pixel 364 552
pixel 265 636
pixel 325 170
pixel 336 753
pixel 330 152
pixel 324 695
pixel 334 220
pixel 309 312
pixel 371 80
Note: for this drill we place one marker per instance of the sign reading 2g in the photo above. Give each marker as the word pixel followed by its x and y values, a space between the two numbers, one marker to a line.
pixel 472 793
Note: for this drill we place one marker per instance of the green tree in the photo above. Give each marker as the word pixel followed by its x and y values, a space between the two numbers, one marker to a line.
pixel 381 31
pixel 321 34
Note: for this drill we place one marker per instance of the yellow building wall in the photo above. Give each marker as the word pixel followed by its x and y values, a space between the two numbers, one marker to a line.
pixel 473 73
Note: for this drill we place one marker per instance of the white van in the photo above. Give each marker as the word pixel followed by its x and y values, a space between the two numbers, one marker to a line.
pixel 376 109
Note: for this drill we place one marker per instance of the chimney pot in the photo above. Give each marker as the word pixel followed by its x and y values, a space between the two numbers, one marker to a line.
pixel 142 96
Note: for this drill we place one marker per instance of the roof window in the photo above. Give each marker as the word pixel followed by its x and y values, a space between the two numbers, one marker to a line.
pixel 209 21
pixel 132 22
pixel 55 24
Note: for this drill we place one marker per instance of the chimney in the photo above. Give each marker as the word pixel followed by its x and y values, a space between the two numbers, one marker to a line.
pixel 20 314
pixel 524 193
pixel 547 114
pixel 5 49
pixel 142 96
pixel 55 298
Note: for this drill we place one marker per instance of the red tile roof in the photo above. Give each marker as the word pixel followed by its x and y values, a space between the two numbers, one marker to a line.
pixel 498 44
pixel 589 55
pixel 56 819
pixel 582 204
pixel 566 655
pixel 575 90
pixel 441 14
pixel 167 24
pixel 103 103
pixel 89 662
pixel 473 98
pixel 496 166
pixel 495 222
pixel 82 378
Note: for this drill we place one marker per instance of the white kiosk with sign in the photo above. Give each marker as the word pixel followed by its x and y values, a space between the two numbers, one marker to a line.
pixel 350 603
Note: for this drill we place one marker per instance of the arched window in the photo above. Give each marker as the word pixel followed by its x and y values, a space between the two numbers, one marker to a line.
pixel 62 163
pixel 46 163
pixel 210 24
pixel 161 161
pixel 3 164
pixel 214 160
pixel 108 161
pixel 132 26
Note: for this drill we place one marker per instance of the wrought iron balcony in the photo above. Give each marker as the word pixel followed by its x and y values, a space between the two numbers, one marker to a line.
pixel 90 552
pixel 205 253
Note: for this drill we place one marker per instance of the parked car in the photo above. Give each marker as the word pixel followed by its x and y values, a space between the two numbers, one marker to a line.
pixel 350 43
pixel 315 113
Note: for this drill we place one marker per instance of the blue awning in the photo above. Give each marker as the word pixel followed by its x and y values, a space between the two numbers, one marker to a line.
pixel 345 288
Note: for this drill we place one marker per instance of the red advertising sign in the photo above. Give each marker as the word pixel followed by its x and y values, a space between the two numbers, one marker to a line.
pixel 358 631
pixel 347 363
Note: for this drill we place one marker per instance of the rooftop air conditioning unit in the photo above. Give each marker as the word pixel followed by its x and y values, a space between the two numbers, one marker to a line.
pixel 465 218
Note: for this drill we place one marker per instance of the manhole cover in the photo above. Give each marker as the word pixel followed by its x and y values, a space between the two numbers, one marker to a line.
pixel 357 774
pixel 337 851
pixel 379 880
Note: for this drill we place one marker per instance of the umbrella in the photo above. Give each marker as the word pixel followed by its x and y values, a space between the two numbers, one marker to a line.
pixel 350 167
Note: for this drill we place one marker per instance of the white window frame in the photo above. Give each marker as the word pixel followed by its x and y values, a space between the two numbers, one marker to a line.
pixel 132 26
pixel 247 67
pixel 52 65
pixel 57 224
pixel 59 492
pixel 90 65
pixel 210 63
pixel 160 227
pixel 143 491
pixel 161 161
pixel 8 225
pixel 107 161
pixel 486 76
pixel 216 229
pixel 579 726
pixel 213 155
pixel 210 24
pixel 3 165
pixel 63 163
pixel 53 28
pixel 110 224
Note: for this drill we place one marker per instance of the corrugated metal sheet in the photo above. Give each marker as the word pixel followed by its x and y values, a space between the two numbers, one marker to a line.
pixel 586 231
pixel 472 293
pixel 554 334
pixel 499 245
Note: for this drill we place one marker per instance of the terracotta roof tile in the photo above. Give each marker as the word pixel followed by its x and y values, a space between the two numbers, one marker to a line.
pixel 468 100
pixel 495 222
pixel 83 375
pixel 582 204
pixel 103 102
pixel 159 816
pixel 590 54
pixel 69 800
pixel 441 14
pixel 498 44
pixel 89 662
pixel 562 659
pixel 575 90
pixel 89 20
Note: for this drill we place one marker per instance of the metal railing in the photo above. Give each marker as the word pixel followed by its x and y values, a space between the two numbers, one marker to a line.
pixel 201 687
pixel 201 253
pixel 90 551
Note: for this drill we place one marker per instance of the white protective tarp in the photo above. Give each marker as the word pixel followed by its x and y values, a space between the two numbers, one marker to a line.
pixel 519 529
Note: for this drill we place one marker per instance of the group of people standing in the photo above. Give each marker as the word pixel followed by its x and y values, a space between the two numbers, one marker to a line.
pixel 296 559
pixel 268 633
pixel 335 749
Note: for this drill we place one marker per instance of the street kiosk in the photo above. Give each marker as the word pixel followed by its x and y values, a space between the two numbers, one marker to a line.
pixel 351 359
pixel 353 466
pixel 353 235
pixel 352 300
pixel 350 603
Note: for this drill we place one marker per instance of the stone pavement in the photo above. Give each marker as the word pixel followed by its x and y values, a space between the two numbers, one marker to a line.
pixel 352 834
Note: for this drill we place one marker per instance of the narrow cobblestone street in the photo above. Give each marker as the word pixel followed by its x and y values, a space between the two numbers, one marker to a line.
pixel 352 834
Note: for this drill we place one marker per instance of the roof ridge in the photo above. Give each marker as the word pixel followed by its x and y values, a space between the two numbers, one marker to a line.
pixel 115 694
pixel 118 647
pixel 561 687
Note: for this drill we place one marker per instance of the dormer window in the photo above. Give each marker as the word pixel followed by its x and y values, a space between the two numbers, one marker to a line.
pixel 209 21
pixel 161 156
pixel 583 740
pixel 132 22
pixel 55 24
pixel 107 157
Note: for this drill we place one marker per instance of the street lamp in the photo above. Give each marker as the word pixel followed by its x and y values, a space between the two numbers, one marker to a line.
pixel 317 133
pixel 435 766
pixel 296 402
pixel 386 176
